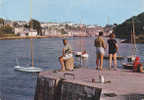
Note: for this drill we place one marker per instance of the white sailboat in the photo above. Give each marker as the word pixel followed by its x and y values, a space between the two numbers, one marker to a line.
pixel 82 54
pixel 130 59
pixel 28 68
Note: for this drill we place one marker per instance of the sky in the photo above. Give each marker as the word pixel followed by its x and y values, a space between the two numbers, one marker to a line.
pixel 100 12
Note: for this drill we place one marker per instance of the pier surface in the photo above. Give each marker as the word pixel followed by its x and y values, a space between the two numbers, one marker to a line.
pixel 118 85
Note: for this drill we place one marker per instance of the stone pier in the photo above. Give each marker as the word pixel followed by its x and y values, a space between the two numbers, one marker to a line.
pixel 84 84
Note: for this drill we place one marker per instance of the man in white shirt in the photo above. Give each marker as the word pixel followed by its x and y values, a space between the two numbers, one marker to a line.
pixel 66 54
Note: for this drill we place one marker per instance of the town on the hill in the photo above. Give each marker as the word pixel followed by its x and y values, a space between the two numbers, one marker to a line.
pixel 22 28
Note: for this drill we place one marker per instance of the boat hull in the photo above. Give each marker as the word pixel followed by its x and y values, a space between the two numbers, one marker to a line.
pixel 28 69
pixel 127 66
pixel 80 54
pixel 118 57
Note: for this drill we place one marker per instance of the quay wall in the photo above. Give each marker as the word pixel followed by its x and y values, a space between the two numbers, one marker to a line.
pixel 49 88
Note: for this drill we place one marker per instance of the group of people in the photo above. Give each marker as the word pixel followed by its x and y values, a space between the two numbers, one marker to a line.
pixel 100 50
pixel 100 45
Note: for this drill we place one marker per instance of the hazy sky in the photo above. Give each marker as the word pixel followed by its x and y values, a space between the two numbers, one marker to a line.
pixel 98 12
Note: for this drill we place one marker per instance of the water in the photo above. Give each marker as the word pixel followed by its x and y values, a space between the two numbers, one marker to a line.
pixel 16 85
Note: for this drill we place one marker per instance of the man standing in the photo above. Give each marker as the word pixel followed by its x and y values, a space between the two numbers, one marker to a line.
pixel 66 54
pixel 100 46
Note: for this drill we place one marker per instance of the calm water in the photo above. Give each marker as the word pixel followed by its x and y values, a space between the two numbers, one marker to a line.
pixel 21 86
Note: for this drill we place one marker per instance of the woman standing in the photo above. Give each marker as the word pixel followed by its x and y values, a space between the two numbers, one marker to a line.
pixel 100 46
pixel 113 48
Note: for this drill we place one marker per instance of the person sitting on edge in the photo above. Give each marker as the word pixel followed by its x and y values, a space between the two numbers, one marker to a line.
pixel 137 66
pixel 113 48
pixel 66 54
pixel 100 46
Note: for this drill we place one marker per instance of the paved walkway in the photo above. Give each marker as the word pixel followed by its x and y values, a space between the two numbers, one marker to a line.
pixel 127 85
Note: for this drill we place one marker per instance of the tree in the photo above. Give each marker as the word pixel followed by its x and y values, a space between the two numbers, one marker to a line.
pixel 26 26
pixel 63 31
pixel 15 24
pixel 6 29
pixel 34 24
pixel 2 21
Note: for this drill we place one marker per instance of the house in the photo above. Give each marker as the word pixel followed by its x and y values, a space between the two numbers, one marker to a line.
pixel 21 31
pixel 32 33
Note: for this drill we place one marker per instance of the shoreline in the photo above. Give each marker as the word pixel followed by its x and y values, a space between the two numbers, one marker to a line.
pixel 141 41
pixel 35 37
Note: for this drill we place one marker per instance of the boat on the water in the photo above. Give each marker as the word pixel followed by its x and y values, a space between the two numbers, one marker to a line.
pixel 118 57
pixel 131 59
pixel 81 54
pixel 127 66
pixel 31 68
pixel 28 69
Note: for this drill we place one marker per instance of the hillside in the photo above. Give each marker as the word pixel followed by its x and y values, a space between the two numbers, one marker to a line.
pixel 123 30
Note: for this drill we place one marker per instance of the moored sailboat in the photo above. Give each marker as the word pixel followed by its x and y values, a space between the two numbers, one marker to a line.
pixel 31 68
pixel 130 59
pixel 81 53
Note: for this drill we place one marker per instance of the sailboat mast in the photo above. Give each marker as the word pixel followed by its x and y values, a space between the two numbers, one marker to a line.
pixel 131 41
pixel 108 20
pixel 134 38
pixel 31 43
pixel 80 41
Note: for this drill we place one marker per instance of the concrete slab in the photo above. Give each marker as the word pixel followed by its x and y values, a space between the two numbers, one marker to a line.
pixel 124 83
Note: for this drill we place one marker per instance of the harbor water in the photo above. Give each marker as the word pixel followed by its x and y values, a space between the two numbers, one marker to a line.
pixel 16 85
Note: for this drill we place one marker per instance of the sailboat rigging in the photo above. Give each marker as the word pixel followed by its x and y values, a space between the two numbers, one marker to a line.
pixel 131 58
pixel 81 54
pixel 29 68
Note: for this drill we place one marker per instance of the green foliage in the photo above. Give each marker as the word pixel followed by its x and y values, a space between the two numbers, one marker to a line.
pixel 2 21
pixel 68 27
pixel 26 26
pixel 15 24
pixel 6 29
pixel 123 30
pixel 35 25
pixel 63 31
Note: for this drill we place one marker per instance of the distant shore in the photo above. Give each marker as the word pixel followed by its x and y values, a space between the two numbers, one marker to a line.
pixel 35 37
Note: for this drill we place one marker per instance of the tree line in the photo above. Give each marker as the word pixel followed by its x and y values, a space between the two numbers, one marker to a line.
pixel 7 29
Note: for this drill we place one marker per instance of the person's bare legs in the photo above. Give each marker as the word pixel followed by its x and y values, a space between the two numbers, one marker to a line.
pixel 101 61
pixel 141 68
pixel 110 61
pixel 115 60
pixel 97 61
pixel 61 60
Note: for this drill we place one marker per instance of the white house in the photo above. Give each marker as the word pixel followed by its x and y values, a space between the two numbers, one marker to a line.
pixel 32 33
pixel 21 31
